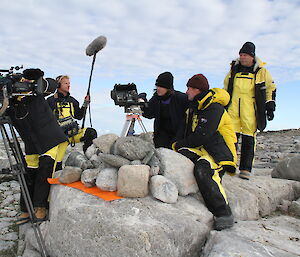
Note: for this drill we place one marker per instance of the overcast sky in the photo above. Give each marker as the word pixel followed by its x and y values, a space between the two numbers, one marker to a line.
pixel 146 38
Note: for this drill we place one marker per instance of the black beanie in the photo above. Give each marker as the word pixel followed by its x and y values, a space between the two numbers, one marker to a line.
pixel 248 48
pixel 165 80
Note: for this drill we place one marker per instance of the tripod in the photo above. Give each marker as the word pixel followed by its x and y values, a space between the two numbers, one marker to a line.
pixel 134 113
pixel 13 149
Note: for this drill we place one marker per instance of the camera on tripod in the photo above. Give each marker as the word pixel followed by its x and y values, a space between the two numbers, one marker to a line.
pixel 126 95
pixel 28 83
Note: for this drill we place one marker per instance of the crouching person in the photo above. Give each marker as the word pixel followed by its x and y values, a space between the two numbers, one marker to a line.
pixel 209 141
pixel 66 109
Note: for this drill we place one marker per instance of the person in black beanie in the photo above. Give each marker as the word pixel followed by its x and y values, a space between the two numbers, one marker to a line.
pixel 167 106
pixel 253 93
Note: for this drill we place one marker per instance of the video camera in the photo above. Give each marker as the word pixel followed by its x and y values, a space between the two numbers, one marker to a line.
pixel 126 95
pixel 29 83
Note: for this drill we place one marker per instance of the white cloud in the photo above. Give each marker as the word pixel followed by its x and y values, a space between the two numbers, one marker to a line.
pixel 146 38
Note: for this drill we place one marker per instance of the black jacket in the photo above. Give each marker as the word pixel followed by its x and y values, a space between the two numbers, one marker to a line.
pixel 177 107
pixel 209 126
pixel 76 112
pixel 36 124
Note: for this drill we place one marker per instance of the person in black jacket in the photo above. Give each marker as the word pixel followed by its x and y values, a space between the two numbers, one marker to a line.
pixel 44 142
pixel 66 109
pixel 167 106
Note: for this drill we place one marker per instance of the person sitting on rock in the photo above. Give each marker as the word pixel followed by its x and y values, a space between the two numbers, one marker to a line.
pixel 167 106
pixel 66 109
pixel 209 141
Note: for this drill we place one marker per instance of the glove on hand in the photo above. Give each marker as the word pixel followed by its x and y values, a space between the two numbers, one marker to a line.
pixel 270 115
pixel 143 96
pixel 33 74
pixel 270 106
pixel 87 101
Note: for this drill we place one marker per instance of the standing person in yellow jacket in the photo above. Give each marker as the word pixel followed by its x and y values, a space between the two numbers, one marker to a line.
pixel 253 93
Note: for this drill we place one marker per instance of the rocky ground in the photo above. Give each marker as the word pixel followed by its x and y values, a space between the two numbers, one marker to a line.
pixel 272 147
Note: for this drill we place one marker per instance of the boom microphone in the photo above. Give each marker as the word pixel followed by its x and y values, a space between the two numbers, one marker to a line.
pixel 96 45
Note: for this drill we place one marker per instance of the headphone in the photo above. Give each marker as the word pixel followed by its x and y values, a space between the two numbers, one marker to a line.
pixel 60 78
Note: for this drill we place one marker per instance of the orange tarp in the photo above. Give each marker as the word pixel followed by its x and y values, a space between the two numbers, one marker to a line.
pixel 105 195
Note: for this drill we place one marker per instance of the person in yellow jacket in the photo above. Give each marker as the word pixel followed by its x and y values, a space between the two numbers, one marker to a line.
pixel 209 141
pixel 253 93
pixel 67 110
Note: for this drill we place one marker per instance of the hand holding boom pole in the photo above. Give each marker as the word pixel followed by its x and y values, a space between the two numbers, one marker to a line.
pixel 93 48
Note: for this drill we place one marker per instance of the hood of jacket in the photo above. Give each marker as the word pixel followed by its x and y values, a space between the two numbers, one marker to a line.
pixel 258 63
pixel 214 95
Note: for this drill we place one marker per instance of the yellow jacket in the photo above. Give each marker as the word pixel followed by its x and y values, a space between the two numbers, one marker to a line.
pixel 249 91
pixel 209 129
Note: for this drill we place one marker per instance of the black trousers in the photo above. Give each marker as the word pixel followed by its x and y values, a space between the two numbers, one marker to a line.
pixel 247 152
pixel 38 186
pixel 209 183
pixel 210 190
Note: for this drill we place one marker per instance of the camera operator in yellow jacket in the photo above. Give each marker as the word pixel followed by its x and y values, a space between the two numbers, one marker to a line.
pixel 66 110
pixel 253 94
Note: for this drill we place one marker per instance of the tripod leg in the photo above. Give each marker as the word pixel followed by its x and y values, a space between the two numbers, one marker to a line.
pixel 19 170
pixel 142 125
pixel 131 128
pixel 128 127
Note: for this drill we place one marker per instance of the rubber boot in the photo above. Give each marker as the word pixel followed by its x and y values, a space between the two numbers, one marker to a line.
pixel 223 222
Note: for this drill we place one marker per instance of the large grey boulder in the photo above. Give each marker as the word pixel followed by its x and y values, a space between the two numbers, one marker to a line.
pixel 84 225
pixel 259 196
pixel 289 168
pixel 268 237
pixel 32 246
pixel 179 169
pixel 132 148
pixel 105 142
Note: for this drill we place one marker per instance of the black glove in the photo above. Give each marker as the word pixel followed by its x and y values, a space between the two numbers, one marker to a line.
pixel 270 115
pixel 86 102
pixel 33 74
pixel 270 107
pixel 143 96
